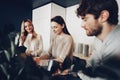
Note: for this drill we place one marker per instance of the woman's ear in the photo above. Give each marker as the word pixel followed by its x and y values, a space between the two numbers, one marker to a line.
pixel 104 15
pixel 63 25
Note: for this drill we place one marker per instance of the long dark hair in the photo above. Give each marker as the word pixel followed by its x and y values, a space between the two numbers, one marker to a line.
pixel 60 21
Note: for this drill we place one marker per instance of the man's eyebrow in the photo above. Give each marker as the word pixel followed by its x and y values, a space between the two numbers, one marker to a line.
pixel 82 17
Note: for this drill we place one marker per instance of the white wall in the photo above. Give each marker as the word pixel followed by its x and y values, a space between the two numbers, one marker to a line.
pixel 119 9
pixel 74 27
pixel 41 20
pixel 58 10
pixel 55 11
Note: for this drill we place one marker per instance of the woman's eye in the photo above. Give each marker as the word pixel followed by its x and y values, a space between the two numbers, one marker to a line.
pixel 25 26
pixel 55 27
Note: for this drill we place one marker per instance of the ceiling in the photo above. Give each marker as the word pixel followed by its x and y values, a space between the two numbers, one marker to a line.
pixel 38 3
pixel 63 3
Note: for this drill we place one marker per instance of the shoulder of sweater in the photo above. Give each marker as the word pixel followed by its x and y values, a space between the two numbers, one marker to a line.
pixel 39 35
pixel 68 36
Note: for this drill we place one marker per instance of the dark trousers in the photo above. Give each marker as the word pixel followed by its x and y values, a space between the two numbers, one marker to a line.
pixel 65 77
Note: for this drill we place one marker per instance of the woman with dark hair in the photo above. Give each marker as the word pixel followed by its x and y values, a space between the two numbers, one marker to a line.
pixel 62 45
pixel 30 39
pixel 60 20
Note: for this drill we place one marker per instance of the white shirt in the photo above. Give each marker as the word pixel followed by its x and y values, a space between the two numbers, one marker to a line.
pixel 104 50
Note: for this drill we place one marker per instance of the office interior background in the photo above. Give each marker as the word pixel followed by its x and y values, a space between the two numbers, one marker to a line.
pixel 40 12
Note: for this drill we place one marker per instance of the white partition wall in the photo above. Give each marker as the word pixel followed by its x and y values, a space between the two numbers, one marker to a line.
pixel 74 26
pixel 41 20
pixel 55 11
pixel 58 10
pixel 42 16
pixel 119 10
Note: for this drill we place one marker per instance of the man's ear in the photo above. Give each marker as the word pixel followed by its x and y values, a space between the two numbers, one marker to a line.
pixel 104 15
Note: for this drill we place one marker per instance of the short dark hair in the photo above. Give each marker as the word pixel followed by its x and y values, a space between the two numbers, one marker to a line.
pixel 96 6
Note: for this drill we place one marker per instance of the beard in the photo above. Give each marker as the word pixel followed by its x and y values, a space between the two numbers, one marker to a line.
pixel 96 32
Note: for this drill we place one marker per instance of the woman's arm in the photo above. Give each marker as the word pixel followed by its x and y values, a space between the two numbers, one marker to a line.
pixel 67 49
pixel 49 54
pixel 44 56
pixel 40 49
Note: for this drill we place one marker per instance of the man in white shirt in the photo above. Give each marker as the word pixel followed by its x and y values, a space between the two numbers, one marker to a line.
pixel 100 19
